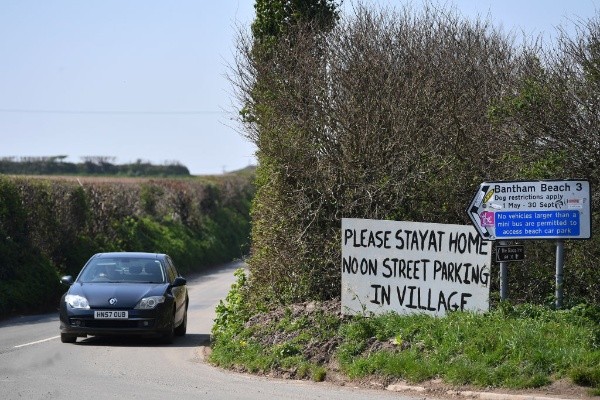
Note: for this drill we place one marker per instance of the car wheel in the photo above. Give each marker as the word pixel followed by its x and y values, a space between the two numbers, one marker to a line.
pixel 182 328
pixel 170 334
pixel 67 338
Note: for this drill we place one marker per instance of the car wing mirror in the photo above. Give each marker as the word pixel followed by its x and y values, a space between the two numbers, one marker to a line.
pixel 67 280
pixel 179 281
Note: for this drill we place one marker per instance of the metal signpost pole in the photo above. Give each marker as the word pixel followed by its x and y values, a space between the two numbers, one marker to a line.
pixel 560 262
pixel 503 276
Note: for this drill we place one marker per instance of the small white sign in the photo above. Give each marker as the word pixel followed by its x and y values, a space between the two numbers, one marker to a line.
pixel 413 267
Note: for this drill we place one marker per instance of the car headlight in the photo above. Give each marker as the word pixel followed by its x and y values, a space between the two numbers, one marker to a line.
pixel 148 303
pixel 77 301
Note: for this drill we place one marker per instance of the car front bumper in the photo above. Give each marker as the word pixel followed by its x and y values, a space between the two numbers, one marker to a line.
pixel 139 322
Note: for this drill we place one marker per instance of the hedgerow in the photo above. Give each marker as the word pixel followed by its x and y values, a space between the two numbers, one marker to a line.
pixel 400 115
pixel 50 227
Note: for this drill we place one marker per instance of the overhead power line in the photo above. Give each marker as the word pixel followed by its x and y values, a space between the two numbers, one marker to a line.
pixel 108 112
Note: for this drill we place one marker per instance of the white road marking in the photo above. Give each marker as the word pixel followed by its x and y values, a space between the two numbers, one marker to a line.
pixel 36 342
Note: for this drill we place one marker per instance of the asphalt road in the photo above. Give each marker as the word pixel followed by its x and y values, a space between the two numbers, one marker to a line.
pixel 34 364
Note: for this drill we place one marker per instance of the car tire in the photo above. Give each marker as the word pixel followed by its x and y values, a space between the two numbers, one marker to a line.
pixel 169 336
pixel 182 328
pixel 65 338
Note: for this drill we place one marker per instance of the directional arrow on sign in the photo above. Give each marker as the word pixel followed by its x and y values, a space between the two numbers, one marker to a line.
pixel 475 212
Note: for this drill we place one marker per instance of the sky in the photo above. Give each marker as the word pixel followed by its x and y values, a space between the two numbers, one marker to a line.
pixel 147 79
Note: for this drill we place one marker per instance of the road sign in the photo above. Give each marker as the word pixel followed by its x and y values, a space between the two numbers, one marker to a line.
pixel 510 253
pixel 532 210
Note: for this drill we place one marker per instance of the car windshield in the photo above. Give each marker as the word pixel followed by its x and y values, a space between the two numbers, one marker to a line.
pixel 128 270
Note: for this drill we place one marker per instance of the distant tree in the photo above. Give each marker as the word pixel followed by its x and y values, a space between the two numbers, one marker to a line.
pixel 92 165
pixel 275 18
pixel 98 160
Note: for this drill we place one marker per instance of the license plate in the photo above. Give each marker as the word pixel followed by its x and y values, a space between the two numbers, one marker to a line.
pixel 111 314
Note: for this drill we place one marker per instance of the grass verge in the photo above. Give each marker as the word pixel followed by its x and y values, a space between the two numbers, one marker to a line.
pixel 515 347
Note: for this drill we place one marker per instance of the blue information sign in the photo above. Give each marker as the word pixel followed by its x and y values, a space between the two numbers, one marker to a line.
pixel 537 223
pixel 532 210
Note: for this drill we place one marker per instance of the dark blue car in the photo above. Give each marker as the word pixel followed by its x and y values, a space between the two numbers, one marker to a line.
pixel 125 294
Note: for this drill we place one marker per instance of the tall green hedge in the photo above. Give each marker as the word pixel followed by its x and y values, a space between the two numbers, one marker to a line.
pixel 50 227
pixel 400 116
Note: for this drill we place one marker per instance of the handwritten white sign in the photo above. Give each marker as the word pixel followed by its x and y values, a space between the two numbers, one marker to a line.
pixel 413 267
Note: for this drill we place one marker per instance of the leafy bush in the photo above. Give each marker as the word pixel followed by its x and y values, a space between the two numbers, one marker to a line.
pixel 50 227
pixel 234 312
pixel 34 288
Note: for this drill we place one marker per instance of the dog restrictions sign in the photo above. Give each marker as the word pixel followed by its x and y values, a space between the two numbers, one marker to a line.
pixel 532 210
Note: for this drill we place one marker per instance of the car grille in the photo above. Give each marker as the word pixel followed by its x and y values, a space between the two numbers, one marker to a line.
pixel 112 324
